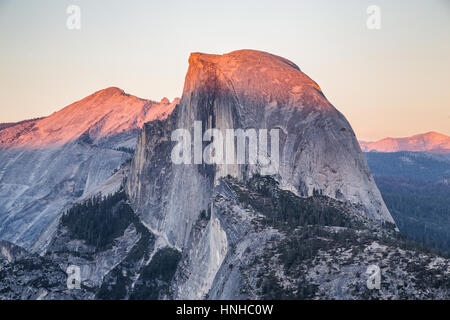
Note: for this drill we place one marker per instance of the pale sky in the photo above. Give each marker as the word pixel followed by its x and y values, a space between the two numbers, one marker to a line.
pixel 389 82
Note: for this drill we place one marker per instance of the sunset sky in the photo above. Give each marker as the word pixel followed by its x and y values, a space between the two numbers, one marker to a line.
pixel 389 82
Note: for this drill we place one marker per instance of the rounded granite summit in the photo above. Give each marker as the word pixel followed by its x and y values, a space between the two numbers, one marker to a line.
pixel 253 74
pixel 317 151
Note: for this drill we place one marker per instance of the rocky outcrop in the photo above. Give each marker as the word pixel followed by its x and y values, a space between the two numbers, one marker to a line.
pixel 27 276
pixel 10 252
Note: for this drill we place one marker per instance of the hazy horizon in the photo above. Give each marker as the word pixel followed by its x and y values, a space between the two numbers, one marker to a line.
pixel 391 82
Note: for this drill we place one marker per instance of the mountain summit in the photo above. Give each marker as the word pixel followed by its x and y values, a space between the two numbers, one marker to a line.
pixel 432 142
pixel 103 114
pixel 253 74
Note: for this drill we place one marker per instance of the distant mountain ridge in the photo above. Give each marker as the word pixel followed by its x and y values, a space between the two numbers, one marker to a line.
pixel 432 142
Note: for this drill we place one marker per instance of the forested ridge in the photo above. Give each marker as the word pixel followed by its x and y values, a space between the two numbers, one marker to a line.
pixel 99 220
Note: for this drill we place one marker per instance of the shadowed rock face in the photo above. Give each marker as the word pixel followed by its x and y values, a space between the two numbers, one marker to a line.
pixel 249 89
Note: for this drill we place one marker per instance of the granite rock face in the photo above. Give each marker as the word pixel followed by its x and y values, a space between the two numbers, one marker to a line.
pixel 318 155
pixel 10 252
pixel 241 90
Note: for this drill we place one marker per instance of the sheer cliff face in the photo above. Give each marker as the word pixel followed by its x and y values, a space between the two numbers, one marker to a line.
pixel 249 89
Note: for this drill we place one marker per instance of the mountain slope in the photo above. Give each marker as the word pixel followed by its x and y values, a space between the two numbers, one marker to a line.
pixel 315 248
pixel 104 114
pixel 431 142
pixel 255 241
pixel 46 164
pixel 241 90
